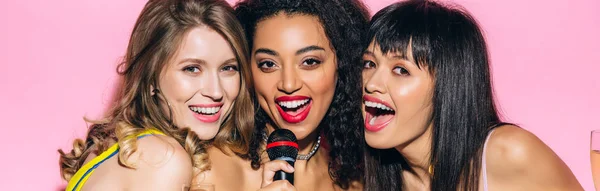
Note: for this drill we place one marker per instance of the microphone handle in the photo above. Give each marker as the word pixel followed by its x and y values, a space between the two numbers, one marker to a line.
pixel 281 175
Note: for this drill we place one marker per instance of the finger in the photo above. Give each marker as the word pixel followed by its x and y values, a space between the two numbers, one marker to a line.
pixel 269 169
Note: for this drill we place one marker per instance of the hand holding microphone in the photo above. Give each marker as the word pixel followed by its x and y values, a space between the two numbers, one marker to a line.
pixel 282 148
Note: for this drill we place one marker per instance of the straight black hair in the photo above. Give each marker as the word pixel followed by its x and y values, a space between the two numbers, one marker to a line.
pixel 449 42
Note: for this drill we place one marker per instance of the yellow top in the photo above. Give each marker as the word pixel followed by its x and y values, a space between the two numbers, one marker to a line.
pixel 82 175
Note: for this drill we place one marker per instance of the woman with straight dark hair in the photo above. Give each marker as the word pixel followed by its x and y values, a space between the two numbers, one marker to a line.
pixel 430 117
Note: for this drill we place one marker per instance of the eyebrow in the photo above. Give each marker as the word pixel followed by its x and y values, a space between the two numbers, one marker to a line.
pixel 301 51
pixel 200 61
pixel 231 60
pixel 266 51
pixel 193 60
pixel 308 49
pixel 401 57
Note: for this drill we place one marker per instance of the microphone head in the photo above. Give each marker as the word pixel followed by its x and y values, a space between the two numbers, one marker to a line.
pixel 282 145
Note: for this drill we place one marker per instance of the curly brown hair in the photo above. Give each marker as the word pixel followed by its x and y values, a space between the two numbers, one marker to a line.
pixel 346 24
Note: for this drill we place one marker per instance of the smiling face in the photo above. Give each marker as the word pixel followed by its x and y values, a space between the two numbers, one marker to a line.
pixel 294 71
pixel 201 82
pixel 398 98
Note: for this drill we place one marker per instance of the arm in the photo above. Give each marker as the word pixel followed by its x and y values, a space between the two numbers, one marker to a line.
pixel 518 160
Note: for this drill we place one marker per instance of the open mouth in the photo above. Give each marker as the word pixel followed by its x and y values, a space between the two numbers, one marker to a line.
pixel 207 113
pixel 378 114
pixel 293 109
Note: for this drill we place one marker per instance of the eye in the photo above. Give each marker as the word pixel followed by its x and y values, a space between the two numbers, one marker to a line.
pixel 267 66
pixel 367 64
pixel 191 69
pixel 230 68
pixel 311 62
pixel 401 71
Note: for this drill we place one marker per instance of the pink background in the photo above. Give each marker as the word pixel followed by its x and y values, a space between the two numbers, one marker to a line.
pixel 58 64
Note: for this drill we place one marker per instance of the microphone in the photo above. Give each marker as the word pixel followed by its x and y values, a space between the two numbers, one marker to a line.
pixel 282 145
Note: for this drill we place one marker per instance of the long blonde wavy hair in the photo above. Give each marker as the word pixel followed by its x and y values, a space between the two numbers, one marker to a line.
pixel 158 32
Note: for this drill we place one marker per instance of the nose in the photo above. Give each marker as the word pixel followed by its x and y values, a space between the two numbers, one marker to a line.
pixel 212 88
pixel 290 82
pixel 375 82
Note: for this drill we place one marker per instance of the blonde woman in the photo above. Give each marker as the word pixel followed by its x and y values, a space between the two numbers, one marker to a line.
pixel 184 79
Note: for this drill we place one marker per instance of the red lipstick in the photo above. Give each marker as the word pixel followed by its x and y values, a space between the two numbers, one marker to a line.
pixel 297 108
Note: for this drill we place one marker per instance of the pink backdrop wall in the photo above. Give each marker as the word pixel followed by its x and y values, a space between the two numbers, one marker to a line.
pixel 58 60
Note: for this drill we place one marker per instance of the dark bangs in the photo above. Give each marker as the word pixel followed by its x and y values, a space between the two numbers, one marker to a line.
pixel 448 41
pixel 401 26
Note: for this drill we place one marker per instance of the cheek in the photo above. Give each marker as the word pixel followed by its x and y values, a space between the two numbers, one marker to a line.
pixel 265 88
pixel 176 88
pixel 407 90
pixel 366 75
pixel 410 96
pixel 231 85
pixel 321 81
pixel 264 83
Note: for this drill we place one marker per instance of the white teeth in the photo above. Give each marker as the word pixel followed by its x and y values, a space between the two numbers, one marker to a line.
pixel 377 105
pixel 206 110
pixel 293 104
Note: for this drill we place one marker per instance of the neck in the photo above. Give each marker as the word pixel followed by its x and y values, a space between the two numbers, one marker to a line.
pixel 417 153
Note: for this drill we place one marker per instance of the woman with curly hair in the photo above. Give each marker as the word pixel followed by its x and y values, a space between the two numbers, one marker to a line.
pixel 429 110
pixel 305 63
pixel 184 81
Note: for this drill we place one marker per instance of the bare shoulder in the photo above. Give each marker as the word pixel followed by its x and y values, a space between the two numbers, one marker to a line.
pixel 516 156
pixel 515 146
pixel 229 171
pixel 161 164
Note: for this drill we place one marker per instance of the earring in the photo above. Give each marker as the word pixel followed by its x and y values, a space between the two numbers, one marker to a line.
pixel 430 169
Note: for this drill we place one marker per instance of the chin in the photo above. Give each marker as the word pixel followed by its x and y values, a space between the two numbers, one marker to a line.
pixel 206 132
pixel 380 141
pixel 301 131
